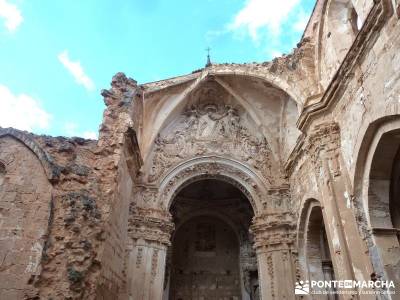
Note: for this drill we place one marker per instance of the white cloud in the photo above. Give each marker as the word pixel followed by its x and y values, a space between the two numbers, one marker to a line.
pixel 72 129
pixel 11 14
pixel 75 68
pixel 274 53
pixel 21 111
pixel 263 14
pixel 91 135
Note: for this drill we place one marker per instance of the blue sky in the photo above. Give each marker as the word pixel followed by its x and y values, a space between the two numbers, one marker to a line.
pixel 56 56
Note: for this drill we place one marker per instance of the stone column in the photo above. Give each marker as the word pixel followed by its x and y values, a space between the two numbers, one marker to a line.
pixel 149 231
pixel 274 236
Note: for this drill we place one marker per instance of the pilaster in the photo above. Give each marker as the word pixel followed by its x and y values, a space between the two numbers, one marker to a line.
pixel 149 231
pixel 323 146
pixel 274 236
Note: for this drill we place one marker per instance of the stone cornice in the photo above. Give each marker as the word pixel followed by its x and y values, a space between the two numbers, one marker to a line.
pixel 271 230
pixel 364 40
pixel 323 136
pixel 151 225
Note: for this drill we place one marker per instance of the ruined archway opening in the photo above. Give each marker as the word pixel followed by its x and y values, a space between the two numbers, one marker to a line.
pixel 384 178
pixel 379 192
pixel 319 261
pixel 211 255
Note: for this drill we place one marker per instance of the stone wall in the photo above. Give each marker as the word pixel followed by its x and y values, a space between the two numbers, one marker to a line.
pixel 25 211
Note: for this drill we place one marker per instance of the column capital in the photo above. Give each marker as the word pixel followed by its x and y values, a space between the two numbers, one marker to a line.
pixel 323 145
pixel 150 224
pixel 272 232
pixel 324 136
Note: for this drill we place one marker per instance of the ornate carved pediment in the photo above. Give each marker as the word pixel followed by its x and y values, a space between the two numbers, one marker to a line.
pixel 210 128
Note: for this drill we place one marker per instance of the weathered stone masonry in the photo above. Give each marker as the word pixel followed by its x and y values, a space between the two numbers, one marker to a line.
pixel 232 182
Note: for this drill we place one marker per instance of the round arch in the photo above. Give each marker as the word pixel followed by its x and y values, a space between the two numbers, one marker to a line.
pixel 51 169
pixel 314 250
pixel 372 189
pixel 302 225
pixel 364 161
pixel 212 167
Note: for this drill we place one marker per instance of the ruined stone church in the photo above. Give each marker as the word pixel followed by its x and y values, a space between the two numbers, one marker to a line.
pixel 233 182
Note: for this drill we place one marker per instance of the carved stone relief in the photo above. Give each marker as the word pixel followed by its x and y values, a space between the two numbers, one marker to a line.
pixel 210 128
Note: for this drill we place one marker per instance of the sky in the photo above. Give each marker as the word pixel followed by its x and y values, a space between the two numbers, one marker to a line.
pixel 56 56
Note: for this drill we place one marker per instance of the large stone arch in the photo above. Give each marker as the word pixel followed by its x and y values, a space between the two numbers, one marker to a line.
pixel 220 170
pixel 224 169
pixel 372 193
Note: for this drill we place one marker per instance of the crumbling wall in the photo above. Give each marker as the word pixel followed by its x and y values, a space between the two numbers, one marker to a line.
pixel 71 262
pixel 117 167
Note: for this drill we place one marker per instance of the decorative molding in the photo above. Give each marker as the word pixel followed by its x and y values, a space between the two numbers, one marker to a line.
pixel 154 263
pixel 151 225
pixel 213 167
pixel 139 257
pixel 273 231
pixel 270 268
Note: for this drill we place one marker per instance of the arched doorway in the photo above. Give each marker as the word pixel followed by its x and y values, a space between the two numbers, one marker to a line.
pixel 383 203
pixel 315 258
pixel 211 255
